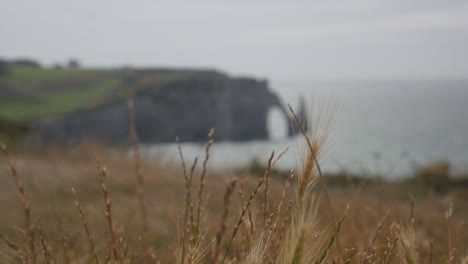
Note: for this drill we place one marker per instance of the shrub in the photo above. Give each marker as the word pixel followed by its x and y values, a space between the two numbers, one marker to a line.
pixel 435 175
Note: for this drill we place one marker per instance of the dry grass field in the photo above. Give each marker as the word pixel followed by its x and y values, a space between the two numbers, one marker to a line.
pixel 92 204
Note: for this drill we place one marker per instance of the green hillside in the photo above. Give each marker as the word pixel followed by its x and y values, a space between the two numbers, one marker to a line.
pixel 28 93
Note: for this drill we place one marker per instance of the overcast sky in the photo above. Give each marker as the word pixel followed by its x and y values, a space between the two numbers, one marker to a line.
pixel 283 40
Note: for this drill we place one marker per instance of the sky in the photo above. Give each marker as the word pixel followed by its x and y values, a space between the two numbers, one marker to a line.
pixel 278 40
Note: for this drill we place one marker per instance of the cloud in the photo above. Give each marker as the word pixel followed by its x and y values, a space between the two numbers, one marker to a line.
pixel 271 38
pixel 413 22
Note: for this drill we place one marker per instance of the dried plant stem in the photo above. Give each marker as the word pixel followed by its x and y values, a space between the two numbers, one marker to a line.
pixel 43 244
pixel 24 201
pixel 244 228
pixel 85 225
pixel 274 226
pixel 16 251
pixel 108 255
pixel 266 198
pixel 202 180
pixel 283 195
pixel 312 152
pixel 241 192
pixel 187 200
pixel 244 240
pixel 246 208
pixel 379 227
pixel 390 251
pixel 280 156
pixel 450 249
pixel 337 259
pixel 139 175
pixel 282 231
pixel 253 226
pixel 63 239
pixel 108 211
pixel 321 177
pixel 191 224
pixel 223 225
pixel 335 234
pixel 374 237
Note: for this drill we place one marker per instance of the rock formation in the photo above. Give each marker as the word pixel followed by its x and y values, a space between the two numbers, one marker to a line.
pixel 188 108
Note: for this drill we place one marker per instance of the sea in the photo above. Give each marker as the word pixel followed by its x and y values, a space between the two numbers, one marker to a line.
pixel 380 128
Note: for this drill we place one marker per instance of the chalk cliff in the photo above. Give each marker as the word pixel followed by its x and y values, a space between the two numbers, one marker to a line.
pixel 188 108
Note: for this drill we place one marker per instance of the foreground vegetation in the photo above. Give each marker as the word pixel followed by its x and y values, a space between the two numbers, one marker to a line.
pixel 75 207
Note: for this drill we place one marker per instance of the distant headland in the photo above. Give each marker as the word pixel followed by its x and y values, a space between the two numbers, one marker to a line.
pixel 70 103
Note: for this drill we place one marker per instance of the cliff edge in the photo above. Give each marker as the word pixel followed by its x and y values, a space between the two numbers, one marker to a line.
pixel 237 108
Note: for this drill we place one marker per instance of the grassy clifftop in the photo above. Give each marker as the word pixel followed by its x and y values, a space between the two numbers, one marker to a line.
pixel 28 93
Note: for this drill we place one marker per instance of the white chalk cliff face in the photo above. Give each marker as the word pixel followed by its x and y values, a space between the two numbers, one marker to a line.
pixel 237 108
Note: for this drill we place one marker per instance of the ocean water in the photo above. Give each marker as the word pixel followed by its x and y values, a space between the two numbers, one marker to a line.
pixel 380 127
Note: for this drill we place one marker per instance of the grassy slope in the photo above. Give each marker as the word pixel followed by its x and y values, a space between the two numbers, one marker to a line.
pixel 35 93
pixel 56 103
pixel 28 93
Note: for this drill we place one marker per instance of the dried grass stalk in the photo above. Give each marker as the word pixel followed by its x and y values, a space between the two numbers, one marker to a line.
pixel 108 210
pixel 85 226
pixel 139 175
pixel 202 181
pixel 45 250
pixel 64 240
pixel 223 224
pixel 24 202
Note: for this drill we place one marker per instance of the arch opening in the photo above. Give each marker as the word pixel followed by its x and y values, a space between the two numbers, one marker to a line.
pixel 277 124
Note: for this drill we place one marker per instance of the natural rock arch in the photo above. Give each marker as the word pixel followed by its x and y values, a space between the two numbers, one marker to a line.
pixel 188 108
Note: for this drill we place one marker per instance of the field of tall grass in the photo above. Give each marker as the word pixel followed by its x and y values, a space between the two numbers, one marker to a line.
pixel 92 204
